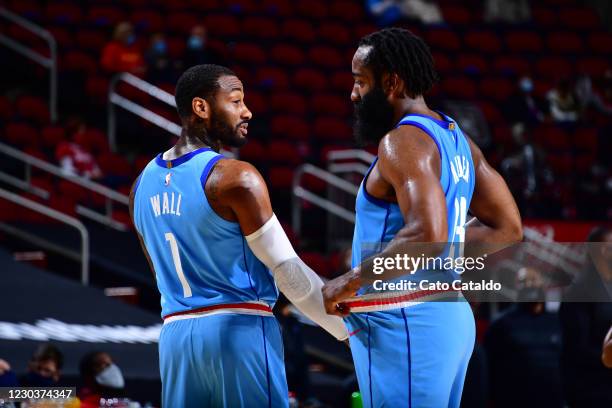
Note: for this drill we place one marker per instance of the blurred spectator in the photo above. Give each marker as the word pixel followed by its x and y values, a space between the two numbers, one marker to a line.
pixel 197 51
pixel 426 11
pixel 100 378
pixel 523 107
pixel 562 102
pixel 387 12
pixel 122 54
pixel 588 98
pixel 7 376
pixel 44 368
pixel 160 68
pixel 74 157
pixel 586 381
pixel 523 349
pixel 509 11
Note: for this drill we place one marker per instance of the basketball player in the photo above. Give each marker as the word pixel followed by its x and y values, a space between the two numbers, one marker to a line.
pixel 218 254
pixel 427 174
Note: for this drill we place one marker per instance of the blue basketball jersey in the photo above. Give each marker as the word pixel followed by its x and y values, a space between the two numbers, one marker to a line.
pixel 377 221
pixel 200 259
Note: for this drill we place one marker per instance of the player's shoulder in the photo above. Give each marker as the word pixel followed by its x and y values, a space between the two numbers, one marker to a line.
pixel 406 142
pixel 230 174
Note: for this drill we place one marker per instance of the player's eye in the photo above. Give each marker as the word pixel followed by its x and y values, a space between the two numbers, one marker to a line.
pixel 237 102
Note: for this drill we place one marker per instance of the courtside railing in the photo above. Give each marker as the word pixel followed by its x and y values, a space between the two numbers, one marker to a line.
pixel 115 99
pixel 50 212
pixel 349 161
pixel 49 63
pixel 300 193
pixel 26 184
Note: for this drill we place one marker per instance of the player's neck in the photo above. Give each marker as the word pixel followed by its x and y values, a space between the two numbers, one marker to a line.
pixel 184 145
pixel 416 105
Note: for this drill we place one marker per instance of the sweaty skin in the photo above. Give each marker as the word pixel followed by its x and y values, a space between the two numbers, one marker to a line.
pixel 235 189
pixel 408 172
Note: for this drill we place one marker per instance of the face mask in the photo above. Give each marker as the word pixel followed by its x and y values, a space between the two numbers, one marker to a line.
pixel 195 42
pixel 526 85
pixel 37 380
pixel 131 39
pixel 531 295
pixel 160 47
pixel 111 377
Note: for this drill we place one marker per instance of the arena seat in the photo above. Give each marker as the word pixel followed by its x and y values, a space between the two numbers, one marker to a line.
pixel 334 33
pixel 346 11
pixel 51 136
pixel 299 30
pixel 564 42
pixel 443 39
pixel 289 127
pixel 508 64
pixel 22 135
pixel 309 79
pixel 251 53
pixel 497 89
pixel 222 25
pixel 314 9
pixel 261 27
pixel 286 54
pixel 33 108
pixel 578 18
pixel 288 102
pixel 283 152
pixel 331 129
pixel 459 87
pixel 271 77
pixel 326 57
pixel 330 104
pixel 280 177
pixel 524 42
pixel 105 16
pixel 485 41
pixel 472 64
pixel 147 20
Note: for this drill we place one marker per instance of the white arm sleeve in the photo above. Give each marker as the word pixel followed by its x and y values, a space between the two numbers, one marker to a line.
pixel 300 284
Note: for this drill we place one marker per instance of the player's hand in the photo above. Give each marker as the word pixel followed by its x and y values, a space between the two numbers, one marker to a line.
pixel 339 289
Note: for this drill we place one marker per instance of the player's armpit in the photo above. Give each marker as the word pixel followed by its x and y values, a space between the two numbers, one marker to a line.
pixel 239 187
pixel 493 205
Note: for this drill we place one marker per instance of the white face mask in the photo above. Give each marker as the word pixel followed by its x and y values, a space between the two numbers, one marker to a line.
pixel 111 377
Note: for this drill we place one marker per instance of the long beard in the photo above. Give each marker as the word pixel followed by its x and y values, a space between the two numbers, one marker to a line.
pixel 373 117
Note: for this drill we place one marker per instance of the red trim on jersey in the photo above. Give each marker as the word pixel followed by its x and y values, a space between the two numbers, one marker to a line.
pixel 251 306
pixel 396 299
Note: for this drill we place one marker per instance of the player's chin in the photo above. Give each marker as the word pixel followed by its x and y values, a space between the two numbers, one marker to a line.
pixel 238 140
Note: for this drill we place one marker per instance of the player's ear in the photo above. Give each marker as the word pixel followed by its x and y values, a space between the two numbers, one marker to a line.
pixel 200 107
pixel 394 85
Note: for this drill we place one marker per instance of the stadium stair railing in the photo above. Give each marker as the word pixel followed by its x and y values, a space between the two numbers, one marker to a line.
pixel 52 213
pixel 49 63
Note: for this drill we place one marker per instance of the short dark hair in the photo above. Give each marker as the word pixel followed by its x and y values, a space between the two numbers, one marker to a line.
pixel 598 234
pixel 397 50
pixel 46 352
pixel 87 364
pixel 199 80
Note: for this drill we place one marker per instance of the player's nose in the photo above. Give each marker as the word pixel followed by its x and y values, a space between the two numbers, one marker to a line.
pixel 355 96
pixel 246 114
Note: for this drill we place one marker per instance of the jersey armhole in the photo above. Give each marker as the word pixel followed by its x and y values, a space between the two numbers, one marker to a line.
pixel 203 178
pixel 207 169
pixel 426 130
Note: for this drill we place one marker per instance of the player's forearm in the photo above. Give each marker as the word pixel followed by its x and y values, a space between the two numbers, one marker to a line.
pixel 300 284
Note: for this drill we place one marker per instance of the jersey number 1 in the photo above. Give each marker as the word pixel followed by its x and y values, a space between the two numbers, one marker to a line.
pixel 174 249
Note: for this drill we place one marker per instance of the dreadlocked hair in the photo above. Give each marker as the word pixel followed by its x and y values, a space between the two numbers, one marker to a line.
pixel 198 81
pixel 396 50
